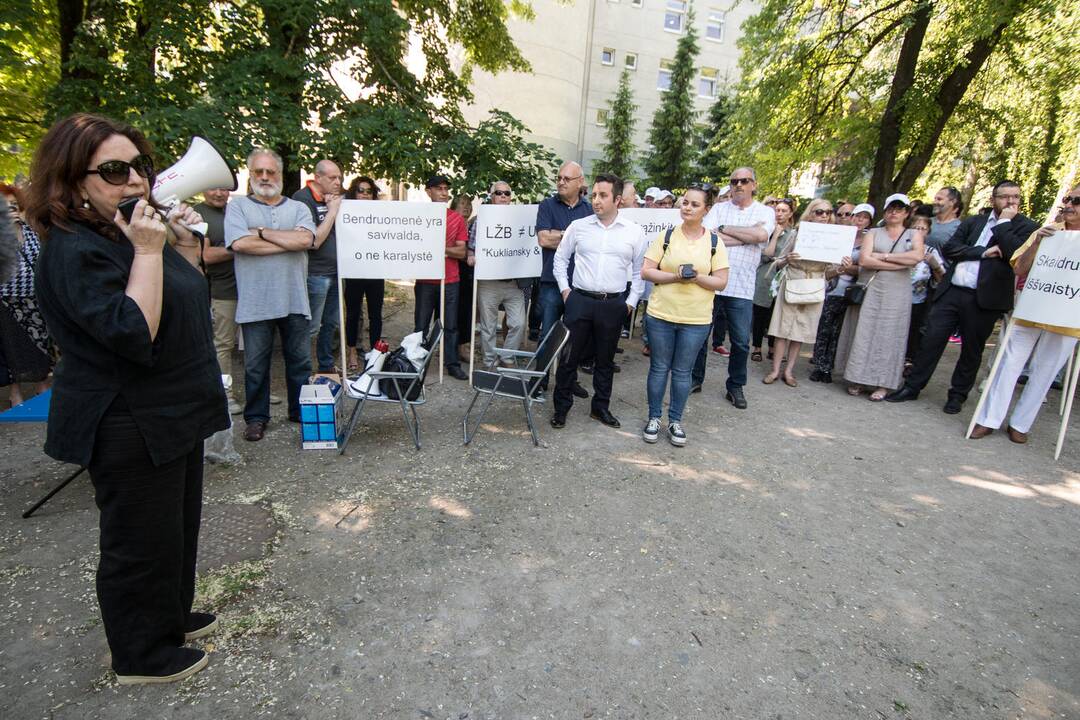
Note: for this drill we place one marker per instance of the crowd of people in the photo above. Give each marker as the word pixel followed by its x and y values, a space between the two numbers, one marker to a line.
pixel 145 313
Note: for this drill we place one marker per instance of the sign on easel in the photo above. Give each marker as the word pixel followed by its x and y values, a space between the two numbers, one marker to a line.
pixel 1051 292
pixel 383 239
pixel 506 244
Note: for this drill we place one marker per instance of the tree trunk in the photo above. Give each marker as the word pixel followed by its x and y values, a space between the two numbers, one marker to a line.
pixel 71 14
pixel 1042 195
pixel 892 120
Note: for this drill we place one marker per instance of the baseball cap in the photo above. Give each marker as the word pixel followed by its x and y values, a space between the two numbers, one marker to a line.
pixel 866 208
pixel 652 192
pixel 898 197
pixel 437 180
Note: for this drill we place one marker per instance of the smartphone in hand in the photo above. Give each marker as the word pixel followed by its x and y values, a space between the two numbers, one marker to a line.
pixel 127 207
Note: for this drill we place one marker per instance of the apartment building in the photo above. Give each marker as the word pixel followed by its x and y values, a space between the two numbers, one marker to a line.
pixel 578 51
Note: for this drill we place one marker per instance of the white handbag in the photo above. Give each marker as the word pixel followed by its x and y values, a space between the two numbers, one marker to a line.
pixel 804 291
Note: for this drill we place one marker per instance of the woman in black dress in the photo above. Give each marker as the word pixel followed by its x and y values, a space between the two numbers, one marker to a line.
pixel 137 388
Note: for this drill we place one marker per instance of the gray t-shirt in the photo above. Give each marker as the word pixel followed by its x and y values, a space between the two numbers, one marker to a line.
pixel 268 286
pixel 940 232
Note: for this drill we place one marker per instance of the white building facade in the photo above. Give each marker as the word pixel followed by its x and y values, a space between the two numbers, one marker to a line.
pixel 578 51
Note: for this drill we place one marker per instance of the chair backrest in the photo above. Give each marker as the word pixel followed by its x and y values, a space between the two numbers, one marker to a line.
pixel 549 348
pixel 431 342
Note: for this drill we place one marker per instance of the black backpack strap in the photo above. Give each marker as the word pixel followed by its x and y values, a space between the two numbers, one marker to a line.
pixel 715 240
pixel 667 241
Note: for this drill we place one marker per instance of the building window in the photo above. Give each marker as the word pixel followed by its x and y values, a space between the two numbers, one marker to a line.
pixel 607 56
pixel 601 117
pixel 707 82
pixel 631 61
pixel 714 25
pixel 663 80
pixel 673 16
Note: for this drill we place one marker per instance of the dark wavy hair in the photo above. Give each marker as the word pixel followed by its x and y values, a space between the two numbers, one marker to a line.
pixel 60 164
pixel 615 180
pixel 354 186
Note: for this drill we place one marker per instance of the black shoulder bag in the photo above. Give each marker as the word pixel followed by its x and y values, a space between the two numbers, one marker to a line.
pixel 855 293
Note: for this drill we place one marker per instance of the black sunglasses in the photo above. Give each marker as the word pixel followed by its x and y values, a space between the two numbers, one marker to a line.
pixel 116 172
pixel 741 181
pixel 845 214
pixel 1073 200
pixel 822 212
pixel 502 193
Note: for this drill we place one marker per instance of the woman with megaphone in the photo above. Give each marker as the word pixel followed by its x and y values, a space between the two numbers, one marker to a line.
pixel 137 388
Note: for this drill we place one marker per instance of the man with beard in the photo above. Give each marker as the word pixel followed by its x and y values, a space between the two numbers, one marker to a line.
pixel 270 236
pixel 947 208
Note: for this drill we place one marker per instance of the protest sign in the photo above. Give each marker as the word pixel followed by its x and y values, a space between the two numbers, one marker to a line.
pixel 1051 293
pixel 825 243
pixel 506 245
pixel 652 220
pixel 385 239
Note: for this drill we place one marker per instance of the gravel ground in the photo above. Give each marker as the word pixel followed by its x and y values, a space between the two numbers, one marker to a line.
pixel 816 556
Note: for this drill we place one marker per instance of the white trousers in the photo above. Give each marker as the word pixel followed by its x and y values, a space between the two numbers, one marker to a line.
pixel 489 295
pixel 1047 352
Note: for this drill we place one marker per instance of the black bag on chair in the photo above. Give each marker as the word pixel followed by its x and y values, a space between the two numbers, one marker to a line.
pixel 398 361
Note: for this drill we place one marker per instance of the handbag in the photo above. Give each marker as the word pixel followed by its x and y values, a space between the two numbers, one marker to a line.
pixel 398 361
pixel 804 291
pixel 855 293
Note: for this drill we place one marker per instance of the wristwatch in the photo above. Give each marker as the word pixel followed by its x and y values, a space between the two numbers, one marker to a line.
pixel 720 229
pixel 261 233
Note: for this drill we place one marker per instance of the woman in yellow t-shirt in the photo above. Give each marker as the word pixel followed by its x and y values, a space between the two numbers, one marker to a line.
pixel 687 267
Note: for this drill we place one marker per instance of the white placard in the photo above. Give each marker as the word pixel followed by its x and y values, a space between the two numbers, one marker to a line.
pixel 387 239
pixel 825 243
pixel 506 244
pixel 652 220
pixel 1051 292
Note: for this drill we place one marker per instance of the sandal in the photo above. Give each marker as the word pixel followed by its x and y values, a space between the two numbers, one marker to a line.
pixel 769 379
pixel 790 381
pixel 756 356
pixel 854 390
pixel 878 395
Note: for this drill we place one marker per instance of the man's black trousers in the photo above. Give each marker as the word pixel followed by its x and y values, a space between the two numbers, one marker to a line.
pixel 594 327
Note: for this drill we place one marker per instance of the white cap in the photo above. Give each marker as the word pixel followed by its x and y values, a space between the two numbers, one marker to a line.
pixel 663 195
pixel 866 208
pixel 638 200
pixel 652 192
pixel 721 191
pixel 897 197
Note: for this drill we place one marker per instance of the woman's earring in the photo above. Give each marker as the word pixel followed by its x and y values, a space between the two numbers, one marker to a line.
pixel 86 203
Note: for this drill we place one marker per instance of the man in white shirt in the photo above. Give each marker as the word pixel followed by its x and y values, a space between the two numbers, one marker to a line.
pixel 606 249
pixel 743 225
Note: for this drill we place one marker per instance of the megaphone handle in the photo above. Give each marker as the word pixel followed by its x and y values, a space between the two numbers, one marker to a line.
pixel 170 204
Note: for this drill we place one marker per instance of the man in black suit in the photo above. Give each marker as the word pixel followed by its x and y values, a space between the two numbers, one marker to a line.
pixel 977 289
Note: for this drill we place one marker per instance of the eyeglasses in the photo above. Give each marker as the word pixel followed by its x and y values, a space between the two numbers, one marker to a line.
pixel 365 190
pixel 741 181
pixel 820 212
pixel 1073 200
pixel 117 172
pixel 845 214
pixel 707 187
pixel 567 178
pixel 770 203
pixel 501 193
pixel 269 172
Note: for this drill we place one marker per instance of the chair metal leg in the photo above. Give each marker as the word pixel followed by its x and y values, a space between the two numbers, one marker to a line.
pixel 416 424
pixel 465 420
pixel 52 492
pixel 353 419
pixel 529 419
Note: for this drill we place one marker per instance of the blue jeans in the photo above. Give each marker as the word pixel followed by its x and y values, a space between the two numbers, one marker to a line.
pixel 258 348
pixel 674 349
pixel 551 306
pixel 323 296
pixel 739 313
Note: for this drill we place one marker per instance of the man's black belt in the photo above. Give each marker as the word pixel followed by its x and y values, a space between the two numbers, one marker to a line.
pixel 600 295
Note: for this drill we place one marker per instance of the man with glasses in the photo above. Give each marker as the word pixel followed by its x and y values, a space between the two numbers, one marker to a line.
pixel 322 196
pixel 490 294
pixel 743 225
pixel 976 290
pixel 947 208
pixel 270 236
pixel 553 216
pixel 845 213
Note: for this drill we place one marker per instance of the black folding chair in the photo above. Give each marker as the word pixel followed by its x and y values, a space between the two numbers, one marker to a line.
pixel 516 383
pixel 404 383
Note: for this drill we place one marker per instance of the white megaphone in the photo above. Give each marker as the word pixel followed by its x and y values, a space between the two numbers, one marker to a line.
pixel 201 168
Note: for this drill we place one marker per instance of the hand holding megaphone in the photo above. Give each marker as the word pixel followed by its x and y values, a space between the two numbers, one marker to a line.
pixel 183 217
pixel 202 168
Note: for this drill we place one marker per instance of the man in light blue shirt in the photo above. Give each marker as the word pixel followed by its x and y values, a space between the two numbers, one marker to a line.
pixel 270 235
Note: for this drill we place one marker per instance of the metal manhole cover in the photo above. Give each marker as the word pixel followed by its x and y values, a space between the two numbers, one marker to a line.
pixel 232 533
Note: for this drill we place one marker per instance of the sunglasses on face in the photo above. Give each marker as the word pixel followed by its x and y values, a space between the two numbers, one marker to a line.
pixel 567 178
pixel 117 172
pixel 365 191
pixel 822 212
pixel 1073 200
pixel 845 214
pixel 501 193
pixel 741 181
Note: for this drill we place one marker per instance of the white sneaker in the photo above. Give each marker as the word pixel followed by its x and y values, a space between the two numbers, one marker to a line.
pixel 651 433
pixel 234 407
pixel 274 399
pixel 676 434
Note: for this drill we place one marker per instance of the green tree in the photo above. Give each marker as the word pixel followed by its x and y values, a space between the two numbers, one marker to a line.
pixel 29 66
pixel 330 78
pixel 619 133
pixel 867 91
pixel 671 137
pixel 713 163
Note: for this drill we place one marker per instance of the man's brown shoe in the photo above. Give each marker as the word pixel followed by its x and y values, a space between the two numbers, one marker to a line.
pixel 980 431
pixel 1016 436
pixel 254 431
